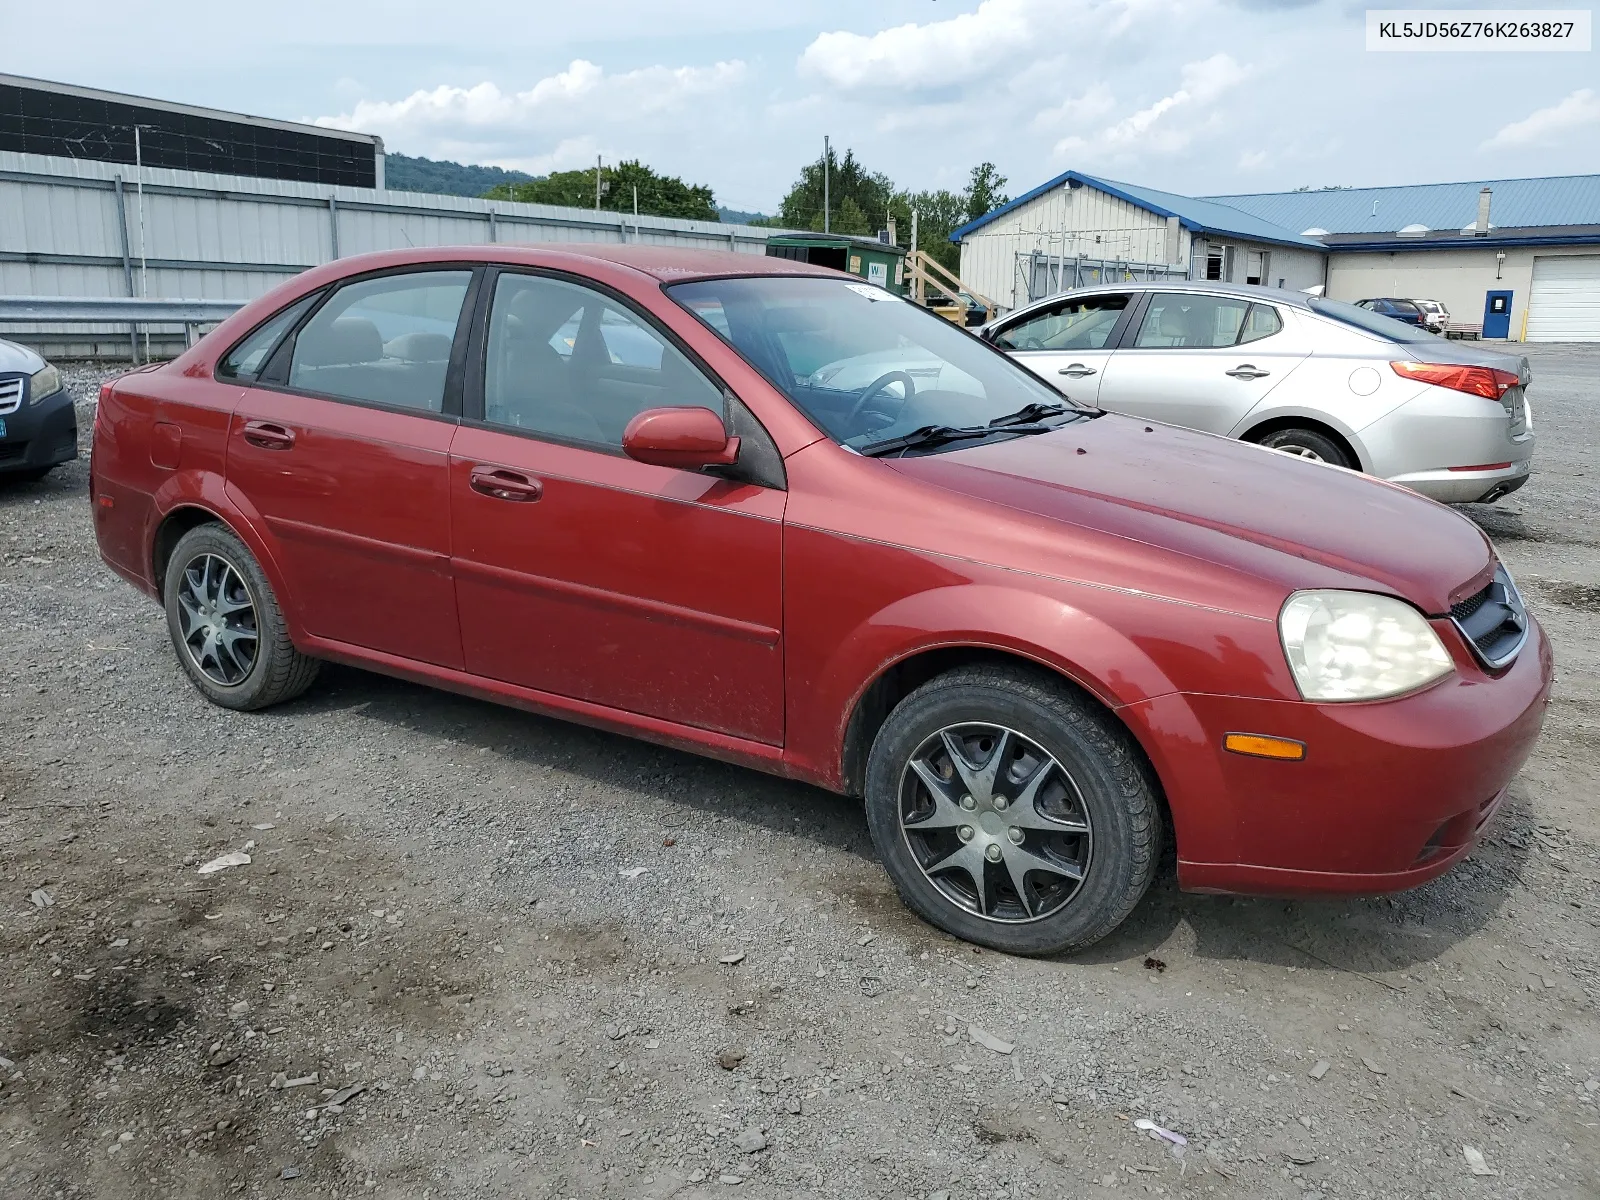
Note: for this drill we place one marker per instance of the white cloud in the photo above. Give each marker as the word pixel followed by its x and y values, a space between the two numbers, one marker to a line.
pixel 1550 126
pixel 1170 123
pixel 936 54
pixel 561 121
pixel 1095 103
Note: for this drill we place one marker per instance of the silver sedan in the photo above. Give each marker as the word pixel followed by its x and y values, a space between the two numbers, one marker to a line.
pixel 1297 373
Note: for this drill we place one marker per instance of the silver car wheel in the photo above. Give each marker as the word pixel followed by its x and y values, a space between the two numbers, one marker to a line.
pixel 995 823
pixel 218 617
pixel 1300 452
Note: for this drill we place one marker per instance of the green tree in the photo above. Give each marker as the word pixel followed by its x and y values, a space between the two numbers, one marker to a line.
pixel 659 195
pixel 983 191
pixel 858 199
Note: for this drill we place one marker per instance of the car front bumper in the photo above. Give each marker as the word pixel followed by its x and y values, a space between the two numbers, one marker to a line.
pixel 1389 795
pixel 39 436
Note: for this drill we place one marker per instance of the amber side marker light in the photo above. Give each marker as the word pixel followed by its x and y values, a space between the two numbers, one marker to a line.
pixel 1259 745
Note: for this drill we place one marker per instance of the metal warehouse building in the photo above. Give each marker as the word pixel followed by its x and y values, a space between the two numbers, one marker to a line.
pixel 1509 258
pixel 224 207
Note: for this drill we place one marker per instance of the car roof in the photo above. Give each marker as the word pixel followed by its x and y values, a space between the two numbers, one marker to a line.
pixel 1245 291
pixel 664 263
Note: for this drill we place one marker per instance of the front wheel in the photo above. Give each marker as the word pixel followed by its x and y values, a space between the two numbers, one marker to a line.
pixel 1011 811
pixel 1307 443
pixel 226 625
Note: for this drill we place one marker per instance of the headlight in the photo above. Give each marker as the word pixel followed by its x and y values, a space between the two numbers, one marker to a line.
pixel 44 383
pixel 1358 646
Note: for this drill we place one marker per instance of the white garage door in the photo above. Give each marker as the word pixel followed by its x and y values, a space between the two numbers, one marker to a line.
pixel 1565 303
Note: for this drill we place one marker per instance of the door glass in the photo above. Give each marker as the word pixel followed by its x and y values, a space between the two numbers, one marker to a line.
pixel 566 361
pixel 1263 321
pixel 1075 325
pixel 1177 320
pixel 384 340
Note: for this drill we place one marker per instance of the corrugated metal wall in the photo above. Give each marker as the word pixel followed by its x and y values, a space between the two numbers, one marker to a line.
pixel 72 228
pixel 1091 223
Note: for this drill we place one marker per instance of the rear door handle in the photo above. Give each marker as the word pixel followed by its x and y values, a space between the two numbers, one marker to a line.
pixel 500 483
pixel 1076 370
pixel 268 436
pixel 1247 371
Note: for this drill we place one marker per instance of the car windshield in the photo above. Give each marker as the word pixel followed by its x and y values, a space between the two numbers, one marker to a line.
pixel 863 364
pixel 1370 322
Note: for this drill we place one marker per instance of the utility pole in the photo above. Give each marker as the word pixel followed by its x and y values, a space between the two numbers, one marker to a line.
pixel 826 154
pixel 597 183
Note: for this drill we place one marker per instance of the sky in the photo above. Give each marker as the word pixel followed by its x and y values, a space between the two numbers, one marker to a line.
pixel 1192 96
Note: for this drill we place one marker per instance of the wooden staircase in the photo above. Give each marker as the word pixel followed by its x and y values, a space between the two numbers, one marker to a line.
pixel 928 274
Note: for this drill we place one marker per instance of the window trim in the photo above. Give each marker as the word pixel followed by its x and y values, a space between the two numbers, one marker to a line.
pixel 1113 338
pixel 475 375
pixel 273 377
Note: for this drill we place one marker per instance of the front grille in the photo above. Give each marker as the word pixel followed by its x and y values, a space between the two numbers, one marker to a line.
pixel 10 451
pixel 10 393
pixel 1493 621
pixel 1464 609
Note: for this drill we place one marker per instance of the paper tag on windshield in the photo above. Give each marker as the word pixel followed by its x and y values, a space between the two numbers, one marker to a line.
pixel 871 293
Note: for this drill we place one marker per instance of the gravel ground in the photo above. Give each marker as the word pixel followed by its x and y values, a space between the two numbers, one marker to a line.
pixel 559 963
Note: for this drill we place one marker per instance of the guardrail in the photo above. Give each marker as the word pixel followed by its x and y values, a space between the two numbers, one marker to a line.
pixel 108 310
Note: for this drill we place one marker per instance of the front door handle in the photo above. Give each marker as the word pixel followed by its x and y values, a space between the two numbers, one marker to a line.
pixel 267 436
pixel 499 483
pixel 1075 371
pixel 1247 371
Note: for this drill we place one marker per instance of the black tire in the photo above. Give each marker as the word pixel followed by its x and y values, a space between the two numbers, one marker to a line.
pixel 276 671
pixel 1307 443
pixel 1117 790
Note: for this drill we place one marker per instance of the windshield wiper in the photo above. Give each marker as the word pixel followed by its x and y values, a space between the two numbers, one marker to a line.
pixel 935 435
pixel 1028 413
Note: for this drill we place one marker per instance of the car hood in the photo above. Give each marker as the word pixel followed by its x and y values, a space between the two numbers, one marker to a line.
pixel 1283 520
pixel 19 358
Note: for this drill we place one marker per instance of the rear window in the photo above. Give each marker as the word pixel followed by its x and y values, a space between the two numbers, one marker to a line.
pixel 1369 322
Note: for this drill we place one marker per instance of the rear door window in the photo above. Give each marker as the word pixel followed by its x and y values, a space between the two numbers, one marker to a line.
pixel 384 340
pixel 1186 321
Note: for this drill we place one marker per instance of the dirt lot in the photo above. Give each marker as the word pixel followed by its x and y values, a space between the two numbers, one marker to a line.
pixel 515 935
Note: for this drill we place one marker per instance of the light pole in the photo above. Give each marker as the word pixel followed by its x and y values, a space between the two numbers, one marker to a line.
pixel 826 154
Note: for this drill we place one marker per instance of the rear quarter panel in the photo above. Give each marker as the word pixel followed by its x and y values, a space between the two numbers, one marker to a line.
pixel 160 442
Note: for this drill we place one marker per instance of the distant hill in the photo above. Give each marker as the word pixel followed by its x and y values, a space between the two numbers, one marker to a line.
pixel 734 216
pixel 406 174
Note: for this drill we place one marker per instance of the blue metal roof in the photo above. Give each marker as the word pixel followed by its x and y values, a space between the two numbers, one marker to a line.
pixel 1196 215
pixel 1516 204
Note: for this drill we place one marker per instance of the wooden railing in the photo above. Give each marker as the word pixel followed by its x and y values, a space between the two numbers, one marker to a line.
pixel 927 272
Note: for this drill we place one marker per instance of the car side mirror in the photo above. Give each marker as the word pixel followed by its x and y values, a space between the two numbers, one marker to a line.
pixel 680 437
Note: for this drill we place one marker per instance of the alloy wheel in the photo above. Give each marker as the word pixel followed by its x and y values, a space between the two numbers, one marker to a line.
pixel 995 822
pixel 218 616
pixel 1299 451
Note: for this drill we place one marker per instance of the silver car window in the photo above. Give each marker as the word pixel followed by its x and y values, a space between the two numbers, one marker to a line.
pixel 1179 320
pixel 1082 324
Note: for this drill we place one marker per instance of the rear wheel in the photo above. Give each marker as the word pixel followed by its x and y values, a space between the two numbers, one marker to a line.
pixel 1011 811
pixel 1307 443
pixel 226 625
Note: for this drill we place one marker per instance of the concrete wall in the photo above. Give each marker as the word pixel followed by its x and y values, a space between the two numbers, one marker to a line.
pixel 65 232
pixel 1457 278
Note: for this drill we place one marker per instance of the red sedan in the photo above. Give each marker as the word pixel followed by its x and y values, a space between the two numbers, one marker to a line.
pixel 769 513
